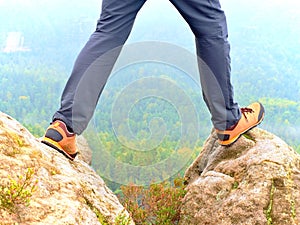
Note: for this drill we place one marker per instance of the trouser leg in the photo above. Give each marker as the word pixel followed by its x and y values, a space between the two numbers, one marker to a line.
pixel 95 61
pixel 208 23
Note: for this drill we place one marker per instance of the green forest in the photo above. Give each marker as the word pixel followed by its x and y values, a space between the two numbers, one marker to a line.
pixel 265 67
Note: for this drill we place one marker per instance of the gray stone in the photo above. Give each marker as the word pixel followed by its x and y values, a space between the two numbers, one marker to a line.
pixel 85 152
pixel 67 192
pixel 254 181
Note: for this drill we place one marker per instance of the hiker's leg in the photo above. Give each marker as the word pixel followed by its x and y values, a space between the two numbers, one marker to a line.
pixel 208 23
pixel 95 61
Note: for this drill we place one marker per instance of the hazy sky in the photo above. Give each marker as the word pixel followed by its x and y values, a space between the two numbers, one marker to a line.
pixel 157 7
pixel 275 13
pixel 272 12
pixel 158 4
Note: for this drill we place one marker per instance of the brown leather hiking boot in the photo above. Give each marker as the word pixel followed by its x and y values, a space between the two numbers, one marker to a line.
pixel 251 117
pixel 58 137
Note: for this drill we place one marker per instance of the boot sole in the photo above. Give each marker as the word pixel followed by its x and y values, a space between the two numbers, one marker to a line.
pixel 53 144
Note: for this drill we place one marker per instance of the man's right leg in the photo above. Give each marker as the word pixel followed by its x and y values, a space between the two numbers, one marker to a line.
pixel 91 71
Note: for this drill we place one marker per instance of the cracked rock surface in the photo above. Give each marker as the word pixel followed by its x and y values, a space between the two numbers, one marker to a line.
pixel 254 181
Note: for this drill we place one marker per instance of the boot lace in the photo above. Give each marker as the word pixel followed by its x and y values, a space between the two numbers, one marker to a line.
pixel 245 111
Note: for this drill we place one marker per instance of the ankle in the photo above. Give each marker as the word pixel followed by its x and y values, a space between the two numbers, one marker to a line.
pixel 68 128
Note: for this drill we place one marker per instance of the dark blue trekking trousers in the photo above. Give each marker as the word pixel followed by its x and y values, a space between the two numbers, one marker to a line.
pixel 208 23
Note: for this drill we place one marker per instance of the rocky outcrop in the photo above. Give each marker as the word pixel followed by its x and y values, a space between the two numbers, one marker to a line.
pixel 58 190
pixel 254 181
pixel 85 153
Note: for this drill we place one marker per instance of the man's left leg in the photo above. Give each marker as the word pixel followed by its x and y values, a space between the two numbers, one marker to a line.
pixel 208 22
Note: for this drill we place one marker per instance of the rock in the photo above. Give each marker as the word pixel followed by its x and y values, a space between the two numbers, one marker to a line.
pixel 64 192
pixel 85 152
pixel 254 181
